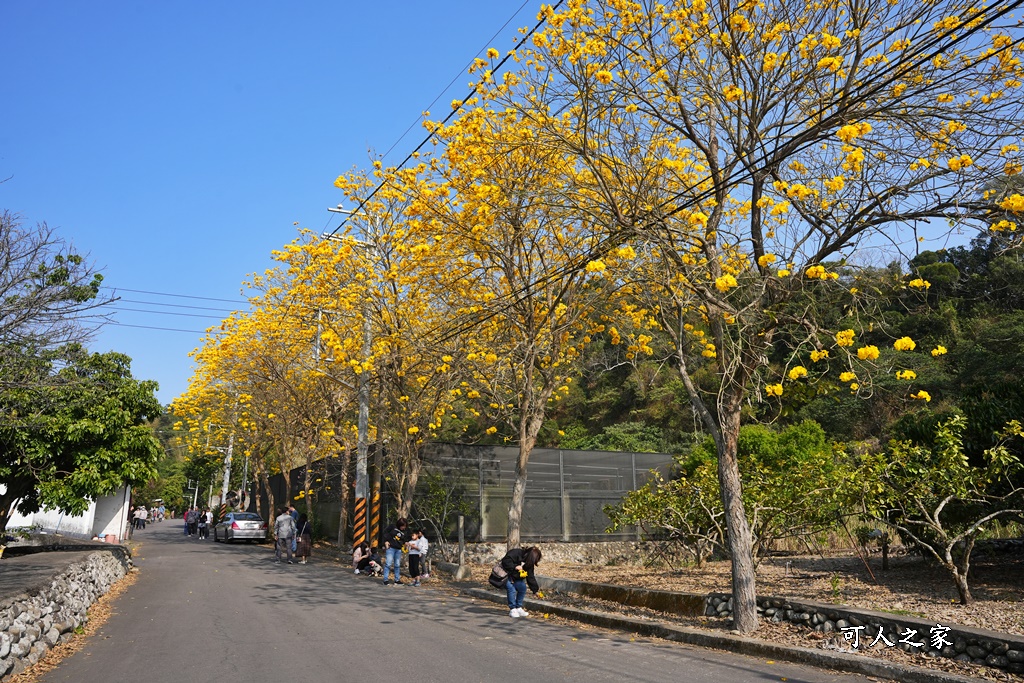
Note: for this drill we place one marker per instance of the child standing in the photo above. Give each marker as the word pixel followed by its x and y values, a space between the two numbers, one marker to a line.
pixel 418 547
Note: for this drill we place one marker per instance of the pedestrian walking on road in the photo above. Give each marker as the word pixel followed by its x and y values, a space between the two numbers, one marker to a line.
pixel 284 532
pixel 519 564
pixel 203 524
pixel 192 519
pixel 394 541
pixel 304 546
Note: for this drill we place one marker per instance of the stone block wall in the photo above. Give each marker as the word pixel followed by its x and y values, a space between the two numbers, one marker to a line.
pixel 860 627
pixel 32 623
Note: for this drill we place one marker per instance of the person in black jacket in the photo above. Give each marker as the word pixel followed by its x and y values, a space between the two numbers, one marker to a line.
pixel 520 563
pixel 395 538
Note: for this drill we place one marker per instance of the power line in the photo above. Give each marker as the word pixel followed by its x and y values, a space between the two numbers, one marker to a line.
pixel 455 78
pixel 157 303
pixel 179 296
pixel 455 110
pixel 184 315
pixel 150 327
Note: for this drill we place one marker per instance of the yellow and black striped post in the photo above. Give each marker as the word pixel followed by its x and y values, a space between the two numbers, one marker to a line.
pixel 375 516
pixel 359 522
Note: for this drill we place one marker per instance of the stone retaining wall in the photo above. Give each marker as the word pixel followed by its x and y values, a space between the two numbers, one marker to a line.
pixel 857 626
pixel 32 623
pixel 860 627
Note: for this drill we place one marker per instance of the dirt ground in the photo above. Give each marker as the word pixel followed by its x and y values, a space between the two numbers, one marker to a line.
pixel 910 587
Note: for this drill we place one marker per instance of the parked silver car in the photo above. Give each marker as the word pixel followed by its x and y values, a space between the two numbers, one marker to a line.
pixel 236 526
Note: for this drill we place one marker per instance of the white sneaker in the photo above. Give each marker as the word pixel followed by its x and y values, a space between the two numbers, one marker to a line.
pixel 514 613
pixel 357 571
pixel 523 612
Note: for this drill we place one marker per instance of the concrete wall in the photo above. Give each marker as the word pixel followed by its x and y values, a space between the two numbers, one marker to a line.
pixel 106 515
pixel 111 515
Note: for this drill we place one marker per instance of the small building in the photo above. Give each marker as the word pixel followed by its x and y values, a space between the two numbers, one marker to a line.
pixel 106 516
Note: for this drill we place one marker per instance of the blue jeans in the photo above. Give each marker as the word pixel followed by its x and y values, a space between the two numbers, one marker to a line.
pixel 393 558
pixel 516 590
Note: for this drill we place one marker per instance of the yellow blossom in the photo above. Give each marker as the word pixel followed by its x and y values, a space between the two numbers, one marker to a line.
pixel 492 53
pixel 847 377
pixel 819 355
pixel 867 352
pixel 939 350
pixel 773 390
pixel 852 131
pixel 960 162
pixel 596 266
pixel 922 395
pixel 604 76
pixel 906 374
pixel 491 430
pixel 732 93
pixel 797 372
pixel 1014 203
pixel 836 184
pixel 414 430
pixel 815 272
pixel 783 272
pixel 904 344
pixel 918 283
pixel 725 283
pixel 765 260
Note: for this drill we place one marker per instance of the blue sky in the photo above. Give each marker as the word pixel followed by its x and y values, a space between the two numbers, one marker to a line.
pixel 178 143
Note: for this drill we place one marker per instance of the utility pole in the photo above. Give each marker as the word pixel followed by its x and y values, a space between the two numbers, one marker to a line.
pixel 361 521
pixel 227 468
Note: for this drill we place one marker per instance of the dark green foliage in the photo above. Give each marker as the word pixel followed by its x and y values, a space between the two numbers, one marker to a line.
pixel 76 431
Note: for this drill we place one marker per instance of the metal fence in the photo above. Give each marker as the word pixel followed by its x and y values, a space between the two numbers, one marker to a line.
pixel 566 491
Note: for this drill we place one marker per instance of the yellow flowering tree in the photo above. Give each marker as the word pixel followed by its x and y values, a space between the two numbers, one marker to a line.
pixel 524 275
pixel 745 145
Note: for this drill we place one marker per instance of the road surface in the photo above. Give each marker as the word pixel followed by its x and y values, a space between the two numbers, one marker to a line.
pixel 204 612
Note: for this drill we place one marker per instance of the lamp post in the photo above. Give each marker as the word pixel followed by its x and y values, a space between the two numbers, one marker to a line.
pixel 361 522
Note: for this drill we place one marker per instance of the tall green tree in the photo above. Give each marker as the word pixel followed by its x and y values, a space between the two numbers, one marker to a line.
pixel 74 429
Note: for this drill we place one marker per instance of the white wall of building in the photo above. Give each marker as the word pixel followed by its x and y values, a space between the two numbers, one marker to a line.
pixel 111 516
pixel 106 515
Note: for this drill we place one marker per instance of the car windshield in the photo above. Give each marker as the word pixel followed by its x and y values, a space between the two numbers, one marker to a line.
pixel 247 517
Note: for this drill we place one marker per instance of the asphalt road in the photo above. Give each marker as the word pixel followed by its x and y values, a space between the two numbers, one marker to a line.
pixel 202 612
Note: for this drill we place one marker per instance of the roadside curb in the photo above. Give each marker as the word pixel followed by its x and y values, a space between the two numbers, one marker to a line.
pixel 838 661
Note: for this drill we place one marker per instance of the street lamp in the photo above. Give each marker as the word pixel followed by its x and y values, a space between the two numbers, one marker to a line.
pixel 361 523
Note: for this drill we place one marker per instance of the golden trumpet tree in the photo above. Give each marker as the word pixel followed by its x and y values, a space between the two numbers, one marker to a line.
pixel 388 279
pixel 523 275
pixel 257 380
pixel 745 145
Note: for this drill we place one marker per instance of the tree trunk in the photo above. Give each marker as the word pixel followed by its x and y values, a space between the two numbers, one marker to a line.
pixel 308 484
pixel 962 589
pixel 744 593
pixel 346 461
pixel 529 427
pixel 270 514
pixel 414 465
pixel 961 571
pixel 8 499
